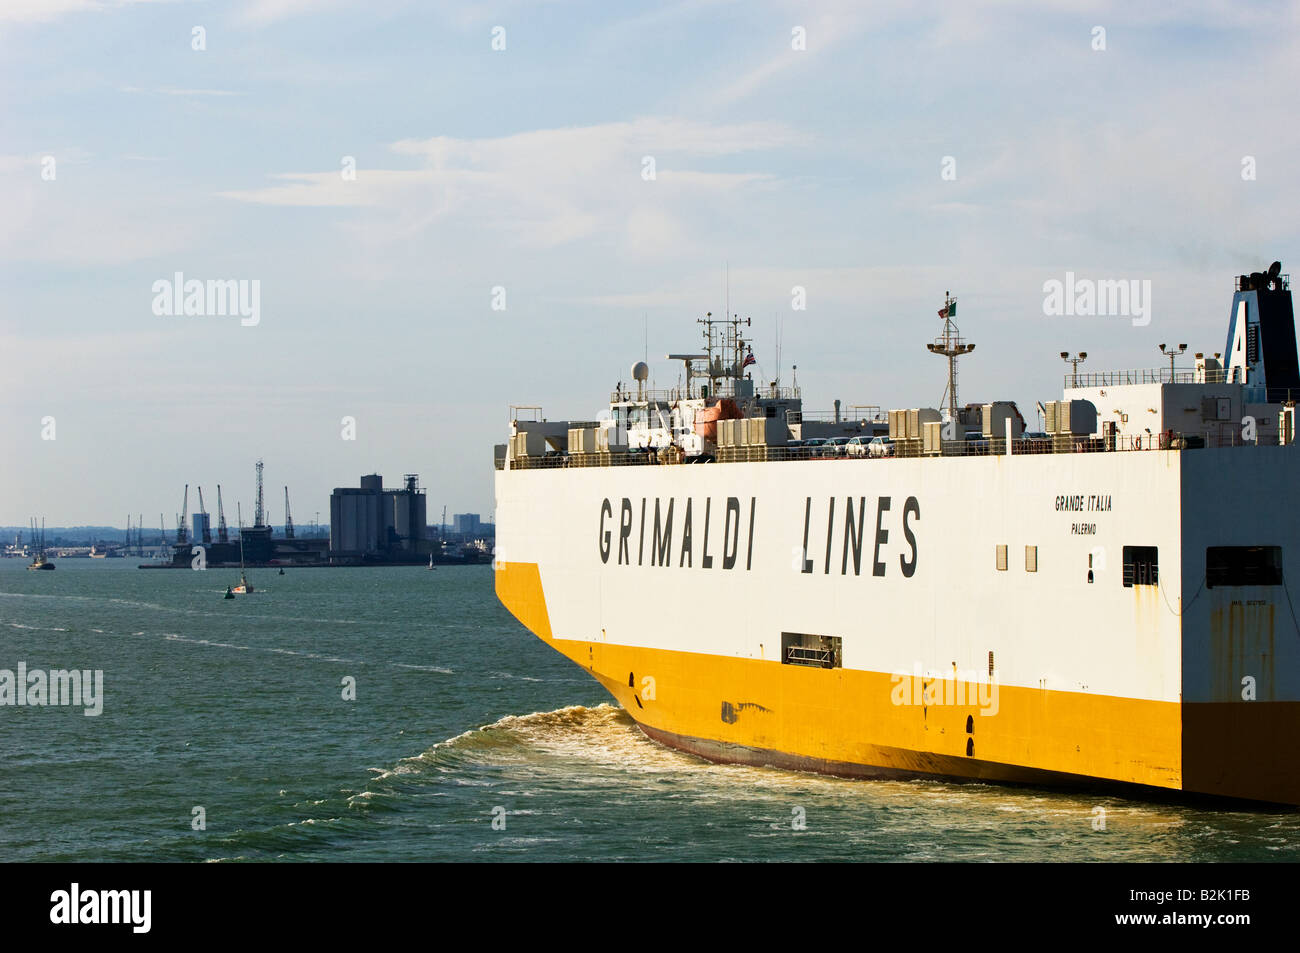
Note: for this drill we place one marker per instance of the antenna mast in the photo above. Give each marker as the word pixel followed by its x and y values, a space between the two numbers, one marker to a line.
pixel 950 345
pixel 259 513
pixel 721 337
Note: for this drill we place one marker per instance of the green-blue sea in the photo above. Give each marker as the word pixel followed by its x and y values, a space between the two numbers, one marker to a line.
pixel 226 735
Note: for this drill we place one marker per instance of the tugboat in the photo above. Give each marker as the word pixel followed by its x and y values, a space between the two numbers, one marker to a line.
pixel 41 561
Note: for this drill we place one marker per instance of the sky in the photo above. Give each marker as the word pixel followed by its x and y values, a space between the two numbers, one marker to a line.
pixel 390 173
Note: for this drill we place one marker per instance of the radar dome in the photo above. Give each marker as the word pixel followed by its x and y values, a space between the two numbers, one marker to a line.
pixel 640 371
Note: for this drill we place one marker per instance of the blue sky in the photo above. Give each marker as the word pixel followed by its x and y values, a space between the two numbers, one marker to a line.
pixel 522 168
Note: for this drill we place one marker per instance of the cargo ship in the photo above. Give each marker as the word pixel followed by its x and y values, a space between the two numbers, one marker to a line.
pixel 1102 602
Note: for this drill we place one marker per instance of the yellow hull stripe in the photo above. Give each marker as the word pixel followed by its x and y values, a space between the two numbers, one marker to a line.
pixel 519 587
pixel 841 716
pixel 827 719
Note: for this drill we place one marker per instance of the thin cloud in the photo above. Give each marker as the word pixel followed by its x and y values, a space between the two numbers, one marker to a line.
pixel 547 187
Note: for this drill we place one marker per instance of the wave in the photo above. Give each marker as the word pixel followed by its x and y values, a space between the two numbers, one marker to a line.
pixel 277 650
pixel 601 734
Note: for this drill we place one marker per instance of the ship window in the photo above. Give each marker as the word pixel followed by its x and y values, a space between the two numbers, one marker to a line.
pixel 1002 558
pixel 1031 559
pixel 813 651
pixel 1243 566
pixel 1141 566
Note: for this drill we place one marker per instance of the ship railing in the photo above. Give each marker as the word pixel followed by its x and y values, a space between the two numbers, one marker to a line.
pixel 1244 283
pixel 630 395
pixel 527 412
pixel 1144 375
pixel 1225 436
pixel 801 655
pixel 852 415
pixel 555 461
pixel 675 394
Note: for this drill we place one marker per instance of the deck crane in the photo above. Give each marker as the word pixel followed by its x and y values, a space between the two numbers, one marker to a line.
pixel 288 520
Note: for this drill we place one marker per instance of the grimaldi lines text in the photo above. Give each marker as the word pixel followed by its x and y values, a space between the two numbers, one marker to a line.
pixel 628 538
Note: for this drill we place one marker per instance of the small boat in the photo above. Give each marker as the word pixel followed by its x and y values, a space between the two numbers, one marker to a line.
pixel 244 587
pixel 282 571
pixel 707 417
pixel 41 561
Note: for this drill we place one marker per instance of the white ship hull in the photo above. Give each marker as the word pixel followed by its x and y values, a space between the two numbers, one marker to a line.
pixel 941 663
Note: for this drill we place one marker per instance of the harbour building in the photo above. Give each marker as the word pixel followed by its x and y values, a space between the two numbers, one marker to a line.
pixel 371 524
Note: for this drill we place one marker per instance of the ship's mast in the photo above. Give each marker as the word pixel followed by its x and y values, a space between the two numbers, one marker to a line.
pixel 950 345
pixel 722 336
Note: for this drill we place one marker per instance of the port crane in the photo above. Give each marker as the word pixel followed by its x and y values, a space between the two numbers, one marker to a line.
pixel 207 532
pixel 222 535
pixel 180 523
pixel 288 520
